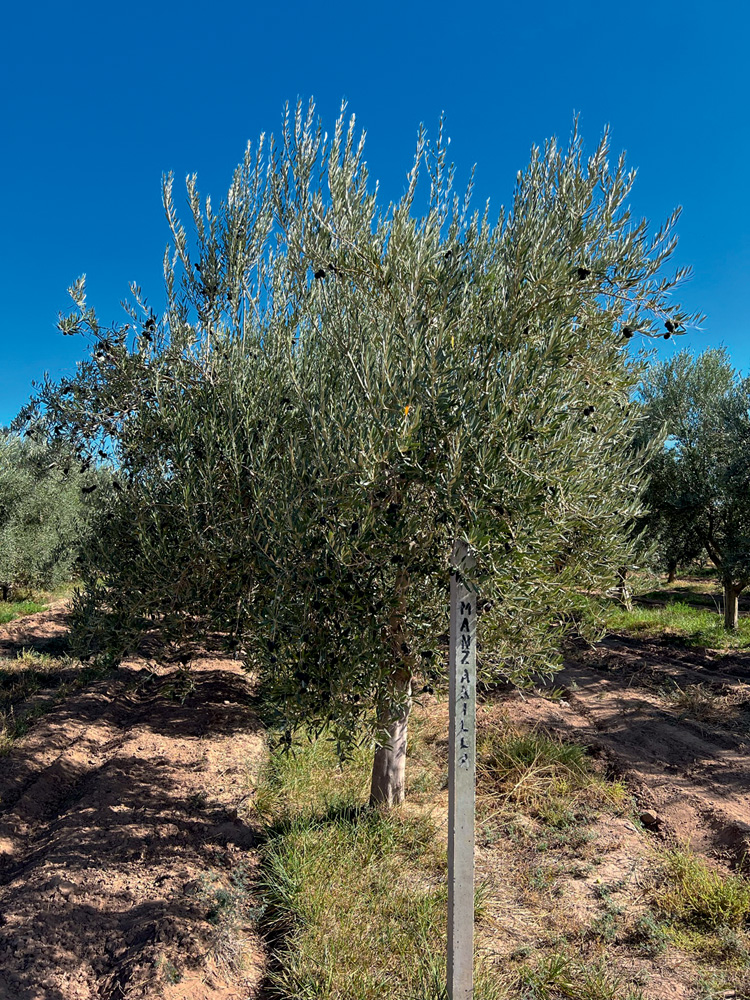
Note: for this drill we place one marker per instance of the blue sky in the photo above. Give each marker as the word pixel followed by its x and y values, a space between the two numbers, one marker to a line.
pixel 99 100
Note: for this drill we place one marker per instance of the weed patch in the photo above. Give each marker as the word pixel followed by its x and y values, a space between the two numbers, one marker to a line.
pixel 682 620
pixel 558 977
pixel 10 610
pixel 552 780
pixel 33 683
pixel 355 898
pixel 694 894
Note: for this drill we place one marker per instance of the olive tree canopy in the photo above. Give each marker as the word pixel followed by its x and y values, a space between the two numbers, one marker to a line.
pixel 701 481
pixel 44 516
pixel 338 389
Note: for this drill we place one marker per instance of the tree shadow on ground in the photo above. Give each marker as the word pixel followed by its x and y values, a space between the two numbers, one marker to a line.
pixel 104 878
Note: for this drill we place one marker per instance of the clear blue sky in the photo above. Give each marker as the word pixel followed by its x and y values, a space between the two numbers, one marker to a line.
pixel 99 100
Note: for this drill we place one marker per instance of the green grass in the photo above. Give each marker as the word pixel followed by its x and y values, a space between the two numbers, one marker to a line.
pixel 691 624
pixel 29 602
pixel 703 911
pixel 29 674
pixel 356 897
pixel 10 610
pixel 694 894
pixel 559 977
pixel 552 780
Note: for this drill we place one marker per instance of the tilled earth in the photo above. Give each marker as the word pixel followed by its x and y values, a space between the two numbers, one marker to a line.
pixel 688 760
pixel 120 838
pixel 125 824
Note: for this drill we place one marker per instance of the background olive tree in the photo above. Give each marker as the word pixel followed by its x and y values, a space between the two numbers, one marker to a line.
pixel 44 513
pixel 338 389
pixel 701 481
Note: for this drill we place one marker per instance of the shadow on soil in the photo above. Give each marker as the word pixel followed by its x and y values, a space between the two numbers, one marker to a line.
pixel 96 819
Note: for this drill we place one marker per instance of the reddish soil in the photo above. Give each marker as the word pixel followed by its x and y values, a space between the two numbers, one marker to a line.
pixel 121 836
pixel 125 817
pixel 688 764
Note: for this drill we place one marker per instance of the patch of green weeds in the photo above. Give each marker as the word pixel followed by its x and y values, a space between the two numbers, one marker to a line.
pixel 181 685
pixel 648 935
pixel 694 894
pixel 702 910
pixel 691 624
pixel 169 971
pixel 229 898
pixel 559 977
pixel 10 610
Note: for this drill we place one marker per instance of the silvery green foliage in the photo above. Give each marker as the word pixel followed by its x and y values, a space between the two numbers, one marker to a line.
pixel 337 389
pixel 700 488
pixel 43 514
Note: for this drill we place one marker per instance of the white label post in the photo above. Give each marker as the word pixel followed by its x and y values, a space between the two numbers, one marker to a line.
pixel 461 778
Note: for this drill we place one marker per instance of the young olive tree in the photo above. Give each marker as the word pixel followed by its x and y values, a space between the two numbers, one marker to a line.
pixel 701 483
pixel 338 390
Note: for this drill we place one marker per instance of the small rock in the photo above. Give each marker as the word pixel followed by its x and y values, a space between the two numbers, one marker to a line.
pixel 227 703
pixel 649 818
pixel 66 889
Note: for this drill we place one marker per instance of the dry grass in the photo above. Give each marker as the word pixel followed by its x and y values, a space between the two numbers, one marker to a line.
pixel 704 703
pixel 568 903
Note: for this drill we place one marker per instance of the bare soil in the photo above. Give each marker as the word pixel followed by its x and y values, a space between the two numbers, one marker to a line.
pixel 125 819
pixel 687 760
pixel 121 836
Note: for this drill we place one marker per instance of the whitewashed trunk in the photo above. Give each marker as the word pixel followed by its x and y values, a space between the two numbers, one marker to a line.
pixel 623 590
pixel 389 766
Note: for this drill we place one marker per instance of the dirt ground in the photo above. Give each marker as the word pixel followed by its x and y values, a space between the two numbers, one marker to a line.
pixel 120 837
pixel 124 819
pixel 686 756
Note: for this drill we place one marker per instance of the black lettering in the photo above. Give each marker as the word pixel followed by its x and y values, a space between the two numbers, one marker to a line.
pixel 465 626
pixel 465 607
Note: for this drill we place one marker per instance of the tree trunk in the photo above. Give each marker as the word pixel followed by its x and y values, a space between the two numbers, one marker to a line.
pixel 731 605
pixel 389 766
pixel 671 572
pixel 623 591
pixel 6 591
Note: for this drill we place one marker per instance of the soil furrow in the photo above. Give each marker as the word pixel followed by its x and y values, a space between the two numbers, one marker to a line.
pixel 118 828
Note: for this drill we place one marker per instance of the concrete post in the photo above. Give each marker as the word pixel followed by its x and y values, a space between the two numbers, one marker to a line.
pixel 461 779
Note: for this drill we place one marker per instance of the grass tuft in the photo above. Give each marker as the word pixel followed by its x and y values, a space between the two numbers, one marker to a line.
pixel 693 894
pixel 553 780
pixel 559 977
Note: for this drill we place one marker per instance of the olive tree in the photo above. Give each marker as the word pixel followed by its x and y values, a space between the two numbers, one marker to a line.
pixel 337 390
pixel 43 513
pixel 702 480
